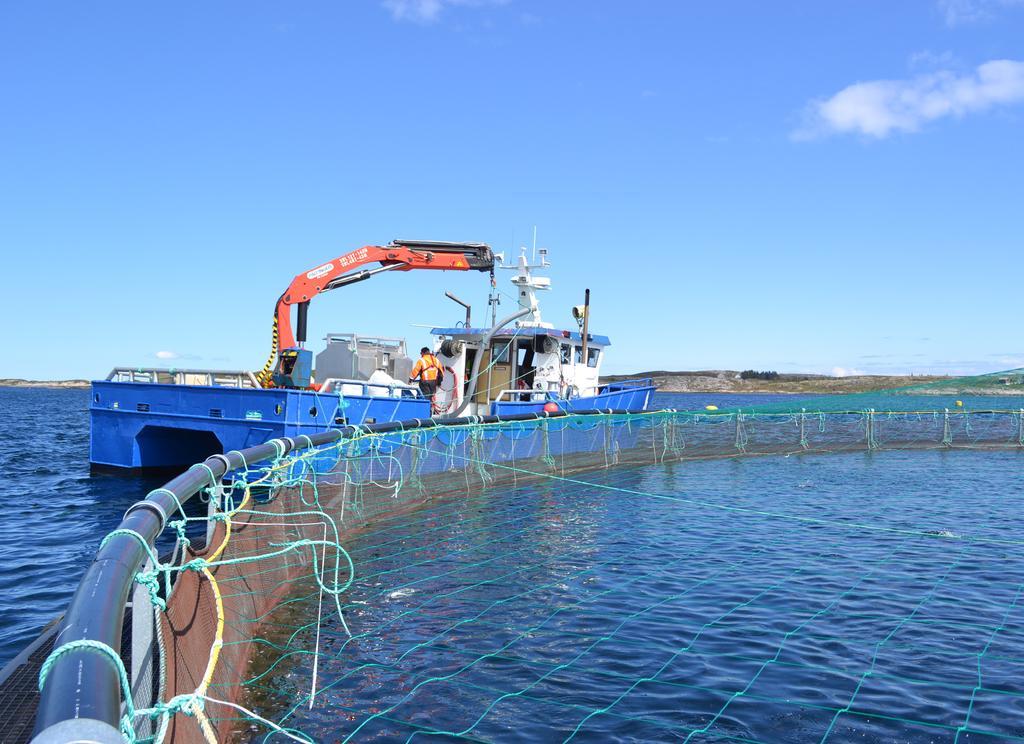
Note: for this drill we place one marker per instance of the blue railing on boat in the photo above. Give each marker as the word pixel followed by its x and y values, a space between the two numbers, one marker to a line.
pixel 633 382
pixel 343 387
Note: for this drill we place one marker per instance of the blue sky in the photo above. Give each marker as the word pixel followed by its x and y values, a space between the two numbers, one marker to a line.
pixel 793 186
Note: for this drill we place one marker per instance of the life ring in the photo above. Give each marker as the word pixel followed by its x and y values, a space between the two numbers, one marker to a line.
pixel 442 404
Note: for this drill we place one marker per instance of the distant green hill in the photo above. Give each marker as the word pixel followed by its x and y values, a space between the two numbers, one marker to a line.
pixel 730 381
pixel 18 382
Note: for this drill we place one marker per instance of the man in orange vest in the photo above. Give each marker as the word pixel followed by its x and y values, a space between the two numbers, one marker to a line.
pixel 428 372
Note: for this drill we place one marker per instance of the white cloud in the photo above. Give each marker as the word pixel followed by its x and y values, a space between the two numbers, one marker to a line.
pixel 1009 362
pixel 960 12
pixel 929 60
pixel 428 11
pixel 847 372
pixel 878 108
pixel 172 355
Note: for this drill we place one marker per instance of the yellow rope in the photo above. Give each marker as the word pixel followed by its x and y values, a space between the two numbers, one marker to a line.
pixel 218 639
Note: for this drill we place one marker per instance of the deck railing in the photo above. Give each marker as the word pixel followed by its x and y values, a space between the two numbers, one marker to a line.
pixel 372 389
pixel 633 382
pixel 207 377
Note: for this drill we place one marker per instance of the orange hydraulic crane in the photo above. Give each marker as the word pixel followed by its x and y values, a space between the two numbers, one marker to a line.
pixel 293 366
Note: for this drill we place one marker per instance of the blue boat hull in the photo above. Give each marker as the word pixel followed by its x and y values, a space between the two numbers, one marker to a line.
pixel 149 425
pixel 152 425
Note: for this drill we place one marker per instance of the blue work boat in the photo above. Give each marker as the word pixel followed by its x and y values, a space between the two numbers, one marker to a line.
pixel 160 418
pixel 165 418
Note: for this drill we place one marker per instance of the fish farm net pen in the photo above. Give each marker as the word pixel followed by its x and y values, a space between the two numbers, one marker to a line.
pixel 229 639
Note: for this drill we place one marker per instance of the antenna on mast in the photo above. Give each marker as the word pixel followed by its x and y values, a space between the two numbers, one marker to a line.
pixel 535 243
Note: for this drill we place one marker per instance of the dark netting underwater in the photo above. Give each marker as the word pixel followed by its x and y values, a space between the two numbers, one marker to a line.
pixel 546 579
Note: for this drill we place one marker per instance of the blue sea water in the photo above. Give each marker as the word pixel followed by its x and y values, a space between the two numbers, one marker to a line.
pixel 54 513
pixel 850 597
pixel 869 597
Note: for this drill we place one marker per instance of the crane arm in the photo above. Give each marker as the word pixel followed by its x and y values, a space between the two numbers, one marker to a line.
pixel 399 255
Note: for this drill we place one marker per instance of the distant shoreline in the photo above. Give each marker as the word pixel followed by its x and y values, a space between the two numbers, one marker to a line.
pixel 17 382
pixel 729 381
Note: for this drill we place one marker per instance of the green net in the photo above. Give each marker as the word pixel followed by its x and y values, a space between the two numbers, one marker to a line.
pixel 546 578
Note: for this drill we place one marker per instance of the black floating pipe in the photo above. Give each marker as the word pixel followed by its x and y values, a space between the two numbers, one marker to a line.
pixel 69 709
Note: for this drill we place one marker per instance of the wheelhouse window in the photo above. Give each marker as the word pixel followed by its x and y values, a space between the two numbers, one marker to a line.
pixel 578 356
pixel 566 354
pixel 500 352
pixel 592 356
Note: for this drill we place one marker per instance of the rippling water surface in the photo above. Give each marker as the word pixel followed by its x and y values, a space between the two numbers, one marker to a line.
pixel 854 597
pixel 53 513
